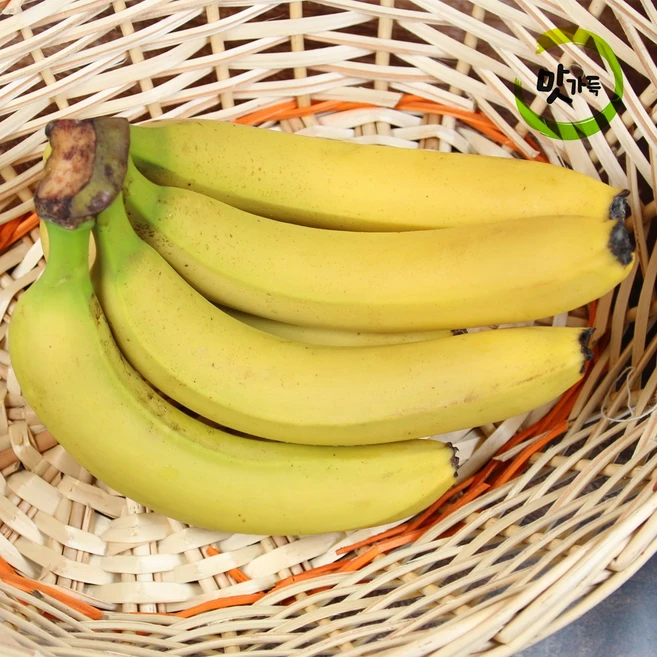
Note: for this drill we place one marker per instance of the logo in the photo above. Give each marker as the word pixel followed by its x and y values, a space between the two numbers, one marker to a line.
pixel 554 83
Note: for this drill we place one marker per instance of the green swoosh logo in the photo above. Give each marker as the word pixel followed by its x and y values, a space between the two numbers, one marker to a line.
pixel 565 130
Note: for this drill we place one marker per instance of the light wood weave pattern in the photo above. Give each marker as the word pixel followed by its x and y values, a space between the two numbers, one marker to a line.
pixel 502 571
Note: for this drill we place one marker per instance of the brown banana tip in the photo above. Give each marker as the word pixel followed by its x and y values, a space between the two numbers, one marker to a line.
pixel 620 208
pixel 459 331
pixel 621 243
pixel 584 340
pixel 85 170
pixel 454 461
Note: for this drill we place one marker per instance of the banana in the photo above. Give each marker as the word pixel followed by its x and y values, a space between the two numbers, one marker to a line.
pixel 470 276
pixel 341 185
pixel 267 386
pixel 332 337
pixel 124 433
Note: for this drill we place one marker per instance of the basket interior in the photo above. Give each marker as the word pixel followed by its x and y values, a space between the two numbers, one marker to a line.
pixel 568 524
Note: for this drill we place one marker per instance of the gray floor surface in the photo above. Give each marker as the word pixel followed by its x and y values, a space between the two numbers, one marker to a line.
pixel 623 625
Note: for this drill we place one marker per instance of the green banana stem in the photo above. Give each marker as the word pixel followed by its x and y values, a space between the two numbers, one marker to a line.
pixel 115 237
pixel 68 255
pixel 140 194
pixel 135 178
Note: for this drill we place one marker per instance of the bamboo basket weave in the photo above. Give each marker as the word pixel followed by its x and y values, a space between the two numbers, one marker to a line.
pixel 500 562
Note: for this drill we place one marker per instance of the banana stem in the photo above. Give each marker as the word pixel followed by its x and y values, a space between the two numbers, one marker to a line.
pixel 68 252
pixel 140 194
pixel 114 233
pixel 134 177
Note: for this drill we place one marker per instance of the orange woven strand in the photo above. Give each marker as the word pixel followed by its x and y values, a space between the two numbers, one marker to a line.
pixel 308 574
pixel 524 456
pixel 290 110
pixel 385 546
pixel 389 533
pixel 486 472
pixel 466 498
pixel 265 114
pixel 219 603
pixel 15 229
pixel 235 573
pixel 439 503
pixel 10 576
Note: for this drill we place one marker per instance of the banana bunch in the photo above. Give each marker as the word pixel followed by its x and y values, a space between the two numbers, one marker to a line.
pixel 272 324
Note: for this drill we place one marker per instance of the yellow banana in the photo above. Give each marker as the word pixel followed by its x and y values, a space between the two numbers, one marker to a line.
pixel 333 337
pixel 464 277
pixel 124 433
pixel 267 386
pixel 341 185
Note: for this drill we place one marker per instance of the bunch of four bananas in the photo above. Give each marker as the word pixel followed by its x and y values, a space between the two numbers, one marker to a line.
pixel 295 300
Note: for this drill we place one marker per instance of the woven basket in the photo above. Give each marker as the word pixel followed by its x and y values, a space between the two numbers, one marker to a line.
pixel 554 510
